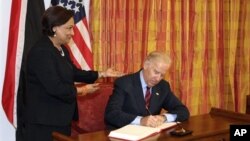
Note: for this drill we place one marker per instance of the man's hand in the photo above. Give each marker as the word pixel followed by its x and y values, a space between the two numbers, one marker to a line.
pixel 153 121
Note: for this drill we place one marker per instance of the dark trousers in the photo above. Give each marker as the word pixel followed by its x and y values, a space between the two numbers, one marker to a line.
pixel 39 132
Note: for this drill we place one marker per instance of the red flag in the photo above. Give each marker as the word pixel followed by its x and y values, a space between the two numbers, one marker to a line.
pixel 14 58
pixel 24 30
pixel 80 46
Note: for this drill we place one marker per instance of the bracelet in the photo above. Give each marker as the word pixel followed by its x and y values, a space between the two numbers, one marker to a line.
pixel 101 74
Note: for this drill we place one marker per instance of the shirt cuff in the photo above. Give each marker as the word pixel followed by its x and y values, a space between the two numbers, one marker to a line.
pixel 170 117
pixel 137 120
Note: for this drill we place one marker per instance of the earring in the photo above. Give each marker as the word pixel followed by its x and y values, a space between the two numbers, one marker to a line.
pixel 54 32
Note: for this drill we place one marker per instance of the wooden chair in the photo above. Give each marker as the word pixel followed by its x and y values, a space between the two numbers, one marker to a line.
pixel 248 104
pixel 91 110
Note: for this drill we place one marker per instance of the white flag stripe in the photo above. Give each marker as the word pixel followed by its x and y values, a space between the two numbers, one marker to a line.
pixel 86 4
pixel 84 33
pixel 19 55
pixel 78 55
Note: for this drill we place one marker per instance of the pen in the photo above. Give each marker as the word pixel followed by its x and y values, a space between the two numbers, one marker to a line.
pixel 148 110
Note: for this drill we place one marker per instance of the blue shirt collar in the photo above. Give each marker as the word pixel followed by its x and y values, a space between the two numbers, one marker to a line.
pixel 143 83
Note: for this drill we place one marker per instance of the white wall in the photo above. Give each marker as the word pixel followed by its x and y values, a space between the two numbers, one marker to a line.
pixel 7 131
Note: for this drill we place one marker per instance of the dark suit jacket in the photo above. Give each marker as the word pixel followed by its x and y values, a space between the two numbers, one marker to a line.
pixel 51 93
pixel 127 102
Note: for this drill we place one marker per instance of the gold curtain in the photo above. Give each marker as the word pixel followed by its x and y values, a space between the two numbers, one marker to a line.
pixel 208 41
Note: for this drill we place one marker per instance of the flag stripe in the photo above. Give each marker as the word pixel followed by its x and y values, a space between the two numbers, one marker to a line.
pixel 84 31
pixel 81 45
pixel 14 58
pixel 72 54
pixel 76 54
pixel 9 87
pixel 81 55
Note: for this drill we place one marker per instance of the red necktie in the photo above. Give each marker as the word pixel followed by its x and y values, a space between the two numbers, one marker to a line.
pixel 147 97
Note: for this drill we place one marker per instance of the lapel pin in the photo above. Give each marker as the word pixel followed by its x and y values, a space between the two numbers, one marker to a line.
pixel 157 93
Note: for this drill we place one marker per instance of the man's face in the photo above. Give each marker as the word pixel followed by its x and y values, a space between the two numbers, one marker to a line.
pixel 154 72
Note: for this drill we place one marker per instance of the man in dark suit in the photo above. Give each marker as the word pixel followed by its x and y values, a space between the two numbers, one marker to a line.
pixel 139 98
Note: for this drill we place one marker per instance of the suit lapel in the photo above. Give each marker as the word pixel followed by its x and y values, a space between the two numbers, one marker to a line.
pixel 138 94
pixel 155 98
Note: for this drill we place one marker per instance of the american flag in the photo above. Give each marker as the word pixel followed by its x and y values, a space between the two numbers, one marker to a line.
pixel 80 47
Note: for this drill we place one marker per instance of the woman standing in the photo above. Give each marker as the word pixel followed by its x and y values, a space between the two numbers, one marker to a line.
pixel 51 93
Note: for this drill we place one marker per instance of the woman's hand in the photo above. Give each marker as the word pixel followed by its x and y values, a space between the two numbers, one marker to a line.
pixel 110 72
pixel 88 89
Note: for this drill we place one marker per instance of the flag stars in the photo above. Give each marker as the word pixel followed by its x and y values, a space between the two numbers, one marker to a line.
pixel 71 5
pixel 61 4
pixel 77 1
pixel 68 6
pixel 76 9
pixel 77 6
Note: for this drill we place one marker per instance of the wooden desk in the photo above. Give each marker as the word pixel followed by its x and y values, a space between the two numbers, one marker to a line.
pixel 207 127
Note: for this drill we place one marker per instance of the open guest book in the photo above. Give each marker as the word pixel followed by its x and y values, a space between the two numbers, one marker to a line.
pixel 138 132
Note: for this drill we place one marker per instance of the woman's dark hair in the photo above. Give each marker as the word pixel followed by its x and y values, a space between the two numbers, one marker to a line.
pixel 55 16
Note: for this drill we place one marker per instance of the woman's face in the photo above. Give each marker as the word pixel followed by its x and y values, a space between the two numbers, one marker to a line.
pixel 64 32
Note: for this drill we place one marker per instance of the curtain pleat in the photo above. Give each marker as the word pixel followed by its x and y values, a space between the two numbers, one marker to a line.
pixel 208 41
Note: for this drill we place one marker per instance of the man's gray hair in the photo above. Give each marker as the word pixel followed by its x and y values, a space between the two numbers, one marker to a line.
pixel 156 56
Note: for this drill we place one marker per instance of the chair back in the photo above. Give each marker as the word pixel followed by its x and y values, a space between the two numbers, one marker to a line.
pixel 91 110
pixel 248 104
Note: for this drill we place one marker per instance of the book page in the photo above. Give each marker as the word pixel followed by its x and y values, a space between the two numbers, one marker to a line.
pixel 166 125
pixel 133 132
pixel 138 132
